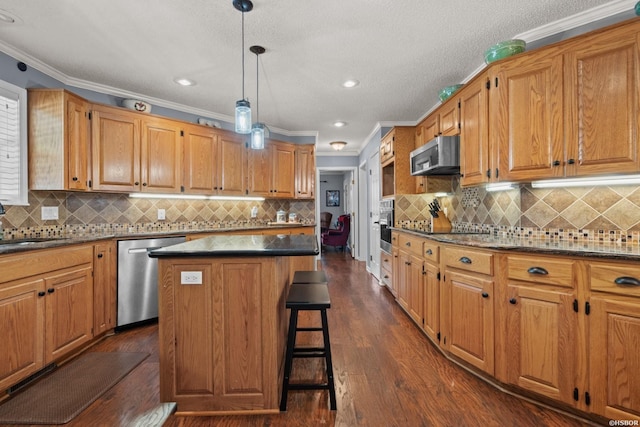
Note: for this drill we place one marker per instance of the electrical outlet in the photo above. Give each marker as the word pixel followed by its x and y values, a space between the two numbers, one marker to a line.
pixel 191 277
pixel 162 214
pixel 49 212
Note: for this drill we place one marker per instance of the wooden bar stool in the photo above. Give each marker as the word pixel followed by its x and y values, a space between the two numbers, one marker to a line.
pixel 308 296
pixel 309 277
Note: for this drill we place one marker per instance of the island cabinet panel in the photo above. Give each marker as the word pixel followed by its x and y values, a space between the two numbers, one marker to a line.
pixel 222 342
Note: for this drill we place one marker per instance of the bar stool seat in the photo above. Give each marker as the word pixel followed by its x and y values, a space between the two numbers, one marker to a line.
pixel 308 296
pixel 309 277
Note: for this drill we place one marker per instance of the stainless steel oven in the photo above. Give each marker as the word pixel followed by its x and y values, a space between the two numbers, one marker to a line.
pixel 386 222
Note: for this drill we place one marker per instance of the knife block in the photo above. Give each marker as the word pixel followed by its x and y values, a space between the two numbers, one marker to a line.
pixel 440 224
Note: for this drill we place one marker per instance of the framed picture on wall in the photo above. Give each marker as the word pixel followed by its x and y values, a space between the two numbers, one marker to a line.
pixel 333 197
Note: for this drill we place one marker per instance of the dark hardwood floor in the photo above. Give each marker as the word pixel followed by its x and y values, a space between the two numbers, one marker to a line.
pixel 387 374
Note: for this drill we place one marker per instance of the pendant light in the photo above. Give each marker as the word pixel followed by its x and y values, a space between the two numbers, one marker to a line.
pixel 243 108
pixel 257 130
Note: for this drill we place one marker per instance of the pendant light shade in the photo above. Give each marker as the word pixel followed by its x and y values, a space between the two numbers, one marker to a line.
pixel 257 130
pixel 243 107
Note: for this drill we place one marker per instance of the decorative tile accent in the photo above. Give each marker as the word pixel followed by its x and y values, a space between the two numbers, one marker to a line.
pixel 93 213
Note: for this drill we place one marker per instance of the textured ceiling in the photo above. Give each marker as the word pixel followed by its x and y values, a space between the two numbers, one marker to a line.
pixel 402 52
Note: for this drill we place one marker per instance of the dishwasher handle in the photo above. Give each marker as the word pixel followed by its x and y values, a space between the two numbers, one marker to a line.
pixel 143 250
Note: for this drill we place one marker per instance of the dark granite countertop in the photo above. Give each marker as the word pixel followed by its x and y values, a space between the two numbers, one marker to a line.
pixel 608 250
pixel 242 246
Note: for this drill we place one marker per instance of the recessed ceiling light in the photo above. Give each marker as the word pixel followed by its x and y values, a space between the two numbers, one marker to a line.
pixel 185 82
pixel 6 17
pixel 350 83
pixel 339 124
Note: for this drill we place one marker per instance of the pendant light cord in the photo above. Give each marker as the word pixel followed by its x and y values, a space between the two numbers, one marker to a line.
pixel 257 91
pixel 243 97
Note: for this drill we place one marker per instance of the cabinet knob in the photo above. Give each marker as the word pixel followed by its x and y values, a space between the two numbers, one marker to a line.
pixel 429 252
pixel 41 293
pixel 75 178
pixel 513 301
pixel 485 295
pixel 136 183
pixel 100 255
pixel 386 276
pixel 571 161
pixel 408 244
pixel 51 290
pixel 144 184
pixel 556 163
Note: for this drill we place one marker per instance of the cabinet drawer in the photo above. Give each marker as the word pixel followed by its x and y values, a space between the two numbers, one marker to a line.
pixel 386 261
pixel 410 244
pixel 386 276
pixel 464 259
pixel 430 251
pixel 541 270
pixel 623 279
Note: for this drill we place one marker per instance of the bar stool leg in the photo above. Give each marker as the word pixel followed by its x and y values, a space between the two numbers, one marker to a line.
pixel 288 364
pixel 327 352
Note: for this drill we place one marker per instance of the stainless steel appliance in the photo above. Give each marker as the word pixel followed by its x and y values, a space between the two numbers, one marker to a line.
pixel 386 222
pixel 138 279
pixel 440 156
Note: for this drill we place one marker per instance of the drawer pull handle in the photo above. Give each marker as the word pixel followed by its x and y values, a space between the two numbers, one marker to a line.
pixel 485 295
pixel 625 280
pixel 465 260
pixel 537 270
pixel 429 252
pixel 408 244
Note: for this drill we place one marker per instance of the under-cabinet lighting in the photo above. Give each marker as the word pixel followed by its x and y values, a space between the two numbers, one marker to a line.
pixel 441 194
pixel 193 197
pixel 587 182
pixel 501 186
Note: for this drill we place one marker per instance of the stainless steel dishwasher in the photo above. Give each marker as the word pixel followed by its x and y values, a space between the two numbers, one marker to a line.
pixel 138 279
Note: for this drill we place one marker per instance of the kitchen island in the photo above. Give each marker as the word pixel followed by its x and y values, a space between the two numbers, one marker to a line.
pixel 222 321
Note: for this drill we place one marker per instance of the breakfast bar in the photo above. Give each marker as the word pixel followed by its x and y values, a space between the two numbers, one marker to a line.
pixel 222 321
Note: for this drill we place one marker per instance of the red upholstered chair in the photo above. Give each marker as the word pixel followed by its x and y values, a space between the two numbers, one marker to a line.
pixel 340 235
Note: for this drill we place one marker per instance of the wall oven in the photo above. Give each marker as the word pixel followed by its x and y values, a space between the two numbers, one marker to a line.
pixel 386 222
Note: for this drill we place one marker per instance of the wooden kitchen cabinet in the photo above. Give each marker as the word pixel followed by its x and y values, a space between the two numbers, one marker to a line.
pixel 395 165
pixel 272 171
pixel 444 121
pixel 386 271
pixel 526 117
pixel 431 290
pixel 614 333
pixel 467 306
pixel 474 131
pixel 200 160
pixel 59 140
pixel 231 164
pixel 541 328
pixel 46 309
pixel 135 152
pixel 305 178
pixel 410 277
pixel 602 93
pixel 105 269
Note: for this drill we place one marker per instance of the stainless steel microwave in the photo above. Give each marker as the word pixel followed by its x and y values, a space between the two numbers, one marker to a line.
pixel 440 156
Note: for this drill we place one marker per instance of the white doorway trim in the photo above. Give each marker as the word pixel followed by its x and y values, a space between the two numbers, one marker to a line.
pixel 355 213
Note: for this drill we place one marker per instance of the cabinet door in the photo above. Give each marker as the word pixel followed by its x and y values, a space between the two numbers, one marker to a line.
pixel 69 311
pixel 541 341
pixel 115 150
pixel 415 292
pixel 21 329
pixel 283 172
pixel 615 361
pixel 474 133
pixel 305 172
pixel 161 156
pixel 404 277
pixel 260 172
pixel 104 287
pixel 470 334
pixel 77 140
pixel 602 94
pixel 431 301
pixel 200 157
pixel 431 127
pixel 450 118
pixel 526 118
pixel 233 165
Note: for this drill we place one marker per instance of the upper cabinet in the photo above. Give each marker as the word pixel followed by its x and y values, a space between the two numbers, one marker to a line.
pixel 396 146
pixel 602 94
pixel 59 143
pixel 231 164
pixel 474 131
pixel 444 121
pixel 305 172
pixel 272 171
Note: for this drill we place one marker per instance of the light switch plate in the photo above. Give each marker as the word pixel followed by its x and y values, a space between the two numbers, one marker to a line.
pixel 49 212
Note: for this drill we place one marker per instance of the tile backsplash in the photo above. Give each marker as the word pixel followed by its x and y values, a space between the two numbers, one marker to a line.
pixel 580 213
pixel 96 213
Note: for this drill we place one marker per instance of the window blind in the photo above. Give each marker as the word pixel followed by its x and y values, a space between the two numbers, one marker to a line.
pixel 13 145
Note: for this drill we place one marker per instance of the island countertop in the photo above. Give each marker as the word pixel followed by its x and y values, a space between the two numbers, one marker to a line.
pixel 242 245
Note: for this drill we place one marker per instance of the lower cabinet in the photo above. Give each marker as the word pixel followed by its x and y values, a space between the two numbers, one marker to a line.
pixel 46 309
pixel 431 301
pixel 105 268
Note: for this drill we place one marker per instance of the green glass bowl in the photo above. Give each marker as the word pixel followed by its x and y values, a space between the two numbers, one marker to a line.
pixel 446 92
pixel 504 49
